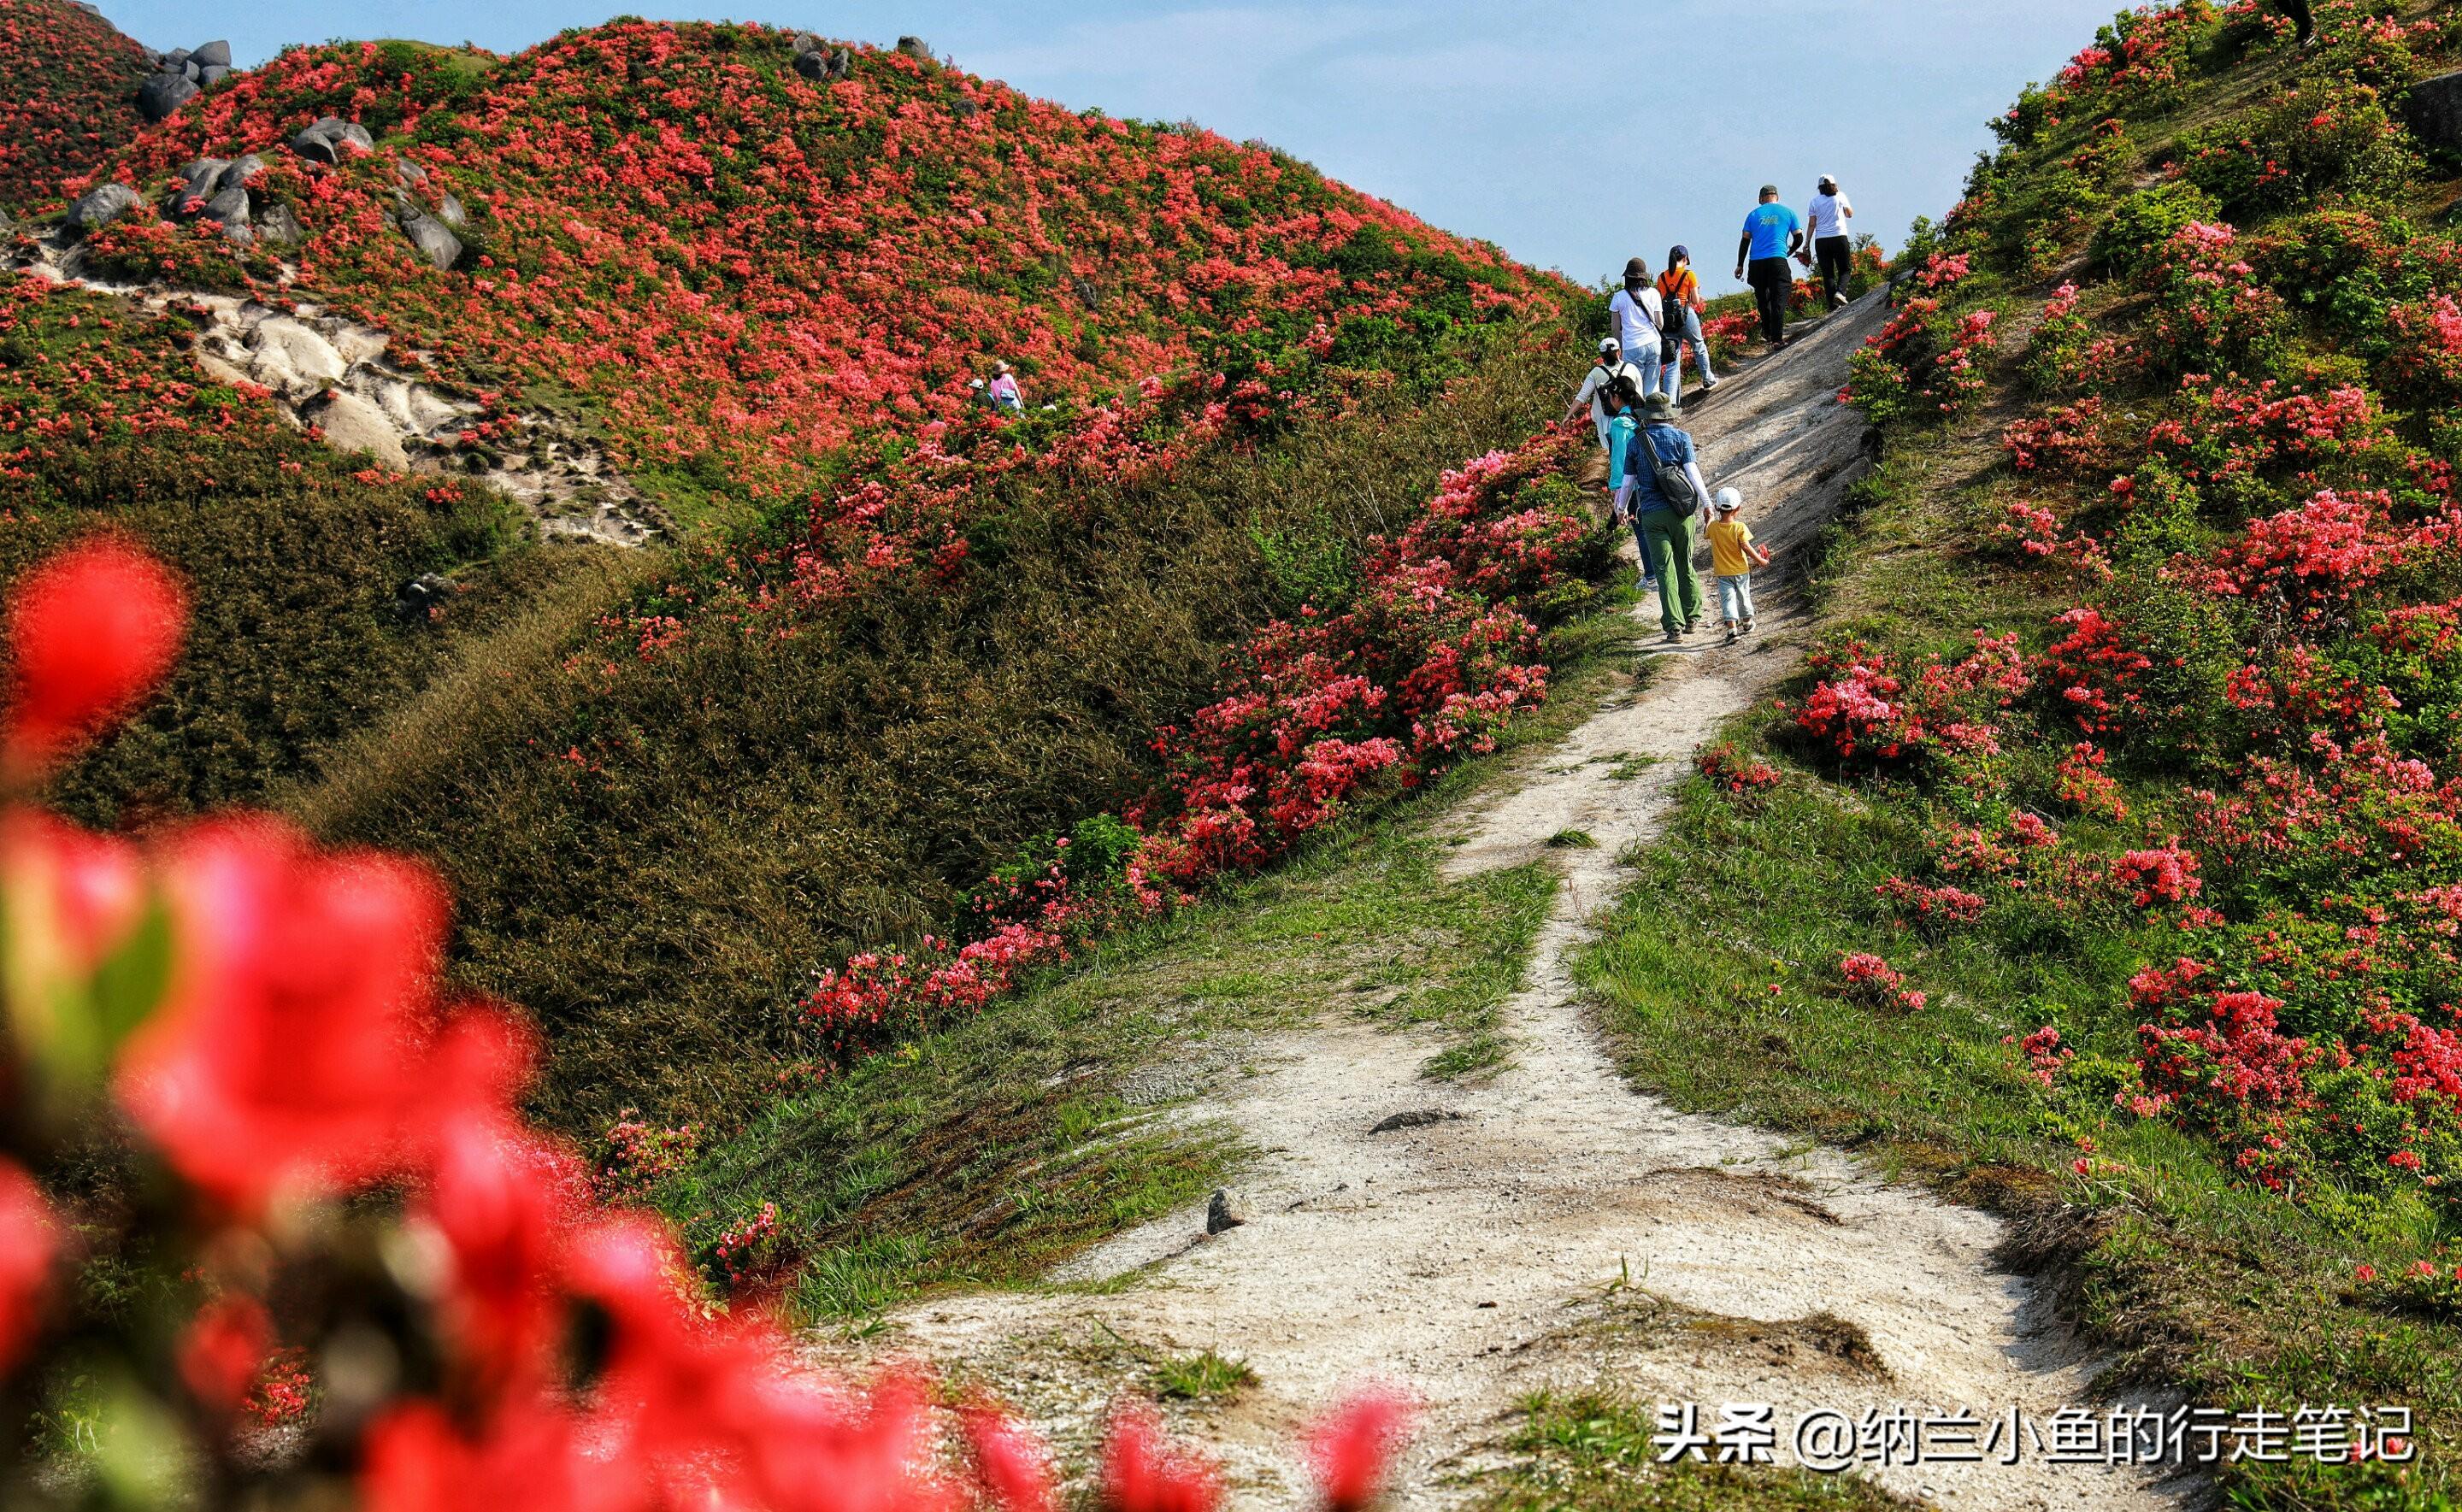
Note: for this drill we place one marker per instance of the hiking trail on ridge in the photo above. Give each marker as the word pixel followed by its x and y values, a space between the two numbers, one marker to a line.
pixel 1552 1228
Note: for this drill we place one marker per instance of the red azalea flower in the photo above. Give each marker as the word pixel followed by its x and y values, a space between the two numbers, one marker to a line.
pixel 90 632
pixel 1351 1451
pixel 502 1200
pixel 300 1028
pixel 1142 1473
pixel 28 1245
pixel 222 1350
pixel 1015 1468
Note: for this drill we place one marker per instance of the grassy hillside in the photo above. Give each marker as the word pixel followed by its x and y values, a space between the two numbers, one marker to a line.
pixel 737 271
pixel 2131 752
pixel 655 849
pixel 295 553
pixel 68 96
pixel 900 634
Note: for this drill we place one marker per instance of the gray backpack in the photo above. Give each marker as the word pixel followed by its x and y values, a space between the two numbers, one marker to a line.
pixel 1674 480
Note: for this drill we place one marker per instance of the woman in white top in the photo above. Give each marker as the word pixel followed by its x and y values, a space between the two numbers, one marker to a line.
pixel 1825 228
pixel 1596 383
pixel 1633 317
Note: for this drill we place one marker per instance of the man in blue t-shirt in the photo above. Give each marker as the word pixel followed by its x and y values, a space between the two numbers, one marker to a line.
pixel 1771 231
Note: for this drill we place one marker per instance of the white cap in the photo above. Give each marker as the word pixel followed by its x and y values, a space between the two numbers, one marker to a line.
pixel 1610 344
pixel 1726 499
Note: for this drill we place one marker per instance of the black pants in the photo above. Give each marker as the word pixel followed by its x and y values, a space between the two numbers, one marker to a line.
pixel 1836 256
pixel 2298 12
pixel 1772 286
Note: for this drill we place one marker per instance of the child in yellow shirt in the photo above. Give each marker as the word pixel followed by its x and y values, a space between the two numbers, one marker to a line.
pixel 1734 553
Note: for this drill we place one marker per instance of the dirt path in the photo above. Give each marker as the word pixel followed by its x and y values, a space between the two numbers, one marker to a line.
pixel 1552 1228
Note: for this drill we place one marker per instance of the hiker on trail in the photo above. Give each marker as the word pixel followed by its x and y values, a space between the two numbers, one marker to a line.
pixel 1633 317
pixel 1003 390
pixel 1771 231
pixel 1679 296
pixel 1598 381
pixel 2298 12
pixel 1658 482
pixel 1824 226
pixel 1734 553
pixel 1623 399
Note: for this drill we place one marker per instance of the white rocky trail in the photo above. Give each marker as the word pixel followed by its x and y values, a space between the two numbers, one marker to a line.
pixel 1562 1230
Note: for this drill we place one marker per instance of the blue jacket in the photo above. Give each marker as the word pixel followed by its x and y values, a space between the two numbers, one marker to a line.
pixel 1670 447
pixel 1620 434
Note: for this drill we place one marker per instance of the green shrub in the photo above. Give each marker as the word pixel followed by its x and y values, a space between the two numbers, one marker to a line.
pixel 2321 139
pixel 2141 223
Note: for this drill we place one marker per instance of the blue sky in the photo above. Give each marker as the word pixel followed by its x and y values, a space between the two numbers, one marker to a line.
pixel 1514 121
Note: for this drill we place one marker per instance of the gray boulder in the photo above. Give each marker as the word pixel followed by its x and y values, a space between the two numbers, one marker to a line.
pixel 433 239
pixel 172 59
pixel 230 207
pixel 2434 111
pixel 1225 1211
pixel 914 47
pixel 7 226
pixel 213 74
pixel 161 94
pixel 322 143
pixel 279 226
pixel 213 54
pixel 450 210
pixel 1414 1118
pixel 354 423
pixel 102 206
pixel 192 71
pixel 822 63
pixel 204 175
pixel 241 173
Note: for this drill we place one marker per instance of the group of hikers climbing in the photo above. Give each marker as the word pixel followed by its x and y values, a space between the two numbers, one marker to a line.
pixel 1654 481
pixel 1635 392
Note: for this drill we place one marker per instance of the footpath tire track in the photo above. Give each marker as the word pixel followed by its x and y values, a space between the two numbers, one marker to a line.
pixel 1563 1231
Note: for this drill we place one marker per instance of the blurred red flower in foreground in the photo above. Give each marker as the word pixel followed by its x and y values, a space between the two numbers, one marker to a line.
pixel 1144 1472
pixel 26 1246
pixel 268 1016
pixel 91 631
pixel 1351 1450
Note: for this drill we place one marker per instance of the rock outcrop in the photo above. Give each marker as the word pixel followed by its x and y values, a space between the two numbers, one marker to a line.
pixel 344 381
pixel 100 206
pixel 2433 112
pixel 328 139
pixel 218 191
pixel 180 75
pixel 820 62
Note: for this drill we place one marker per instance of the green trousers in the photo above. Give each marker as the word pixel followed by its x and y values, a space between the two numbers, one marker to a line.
pixel 1666 541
